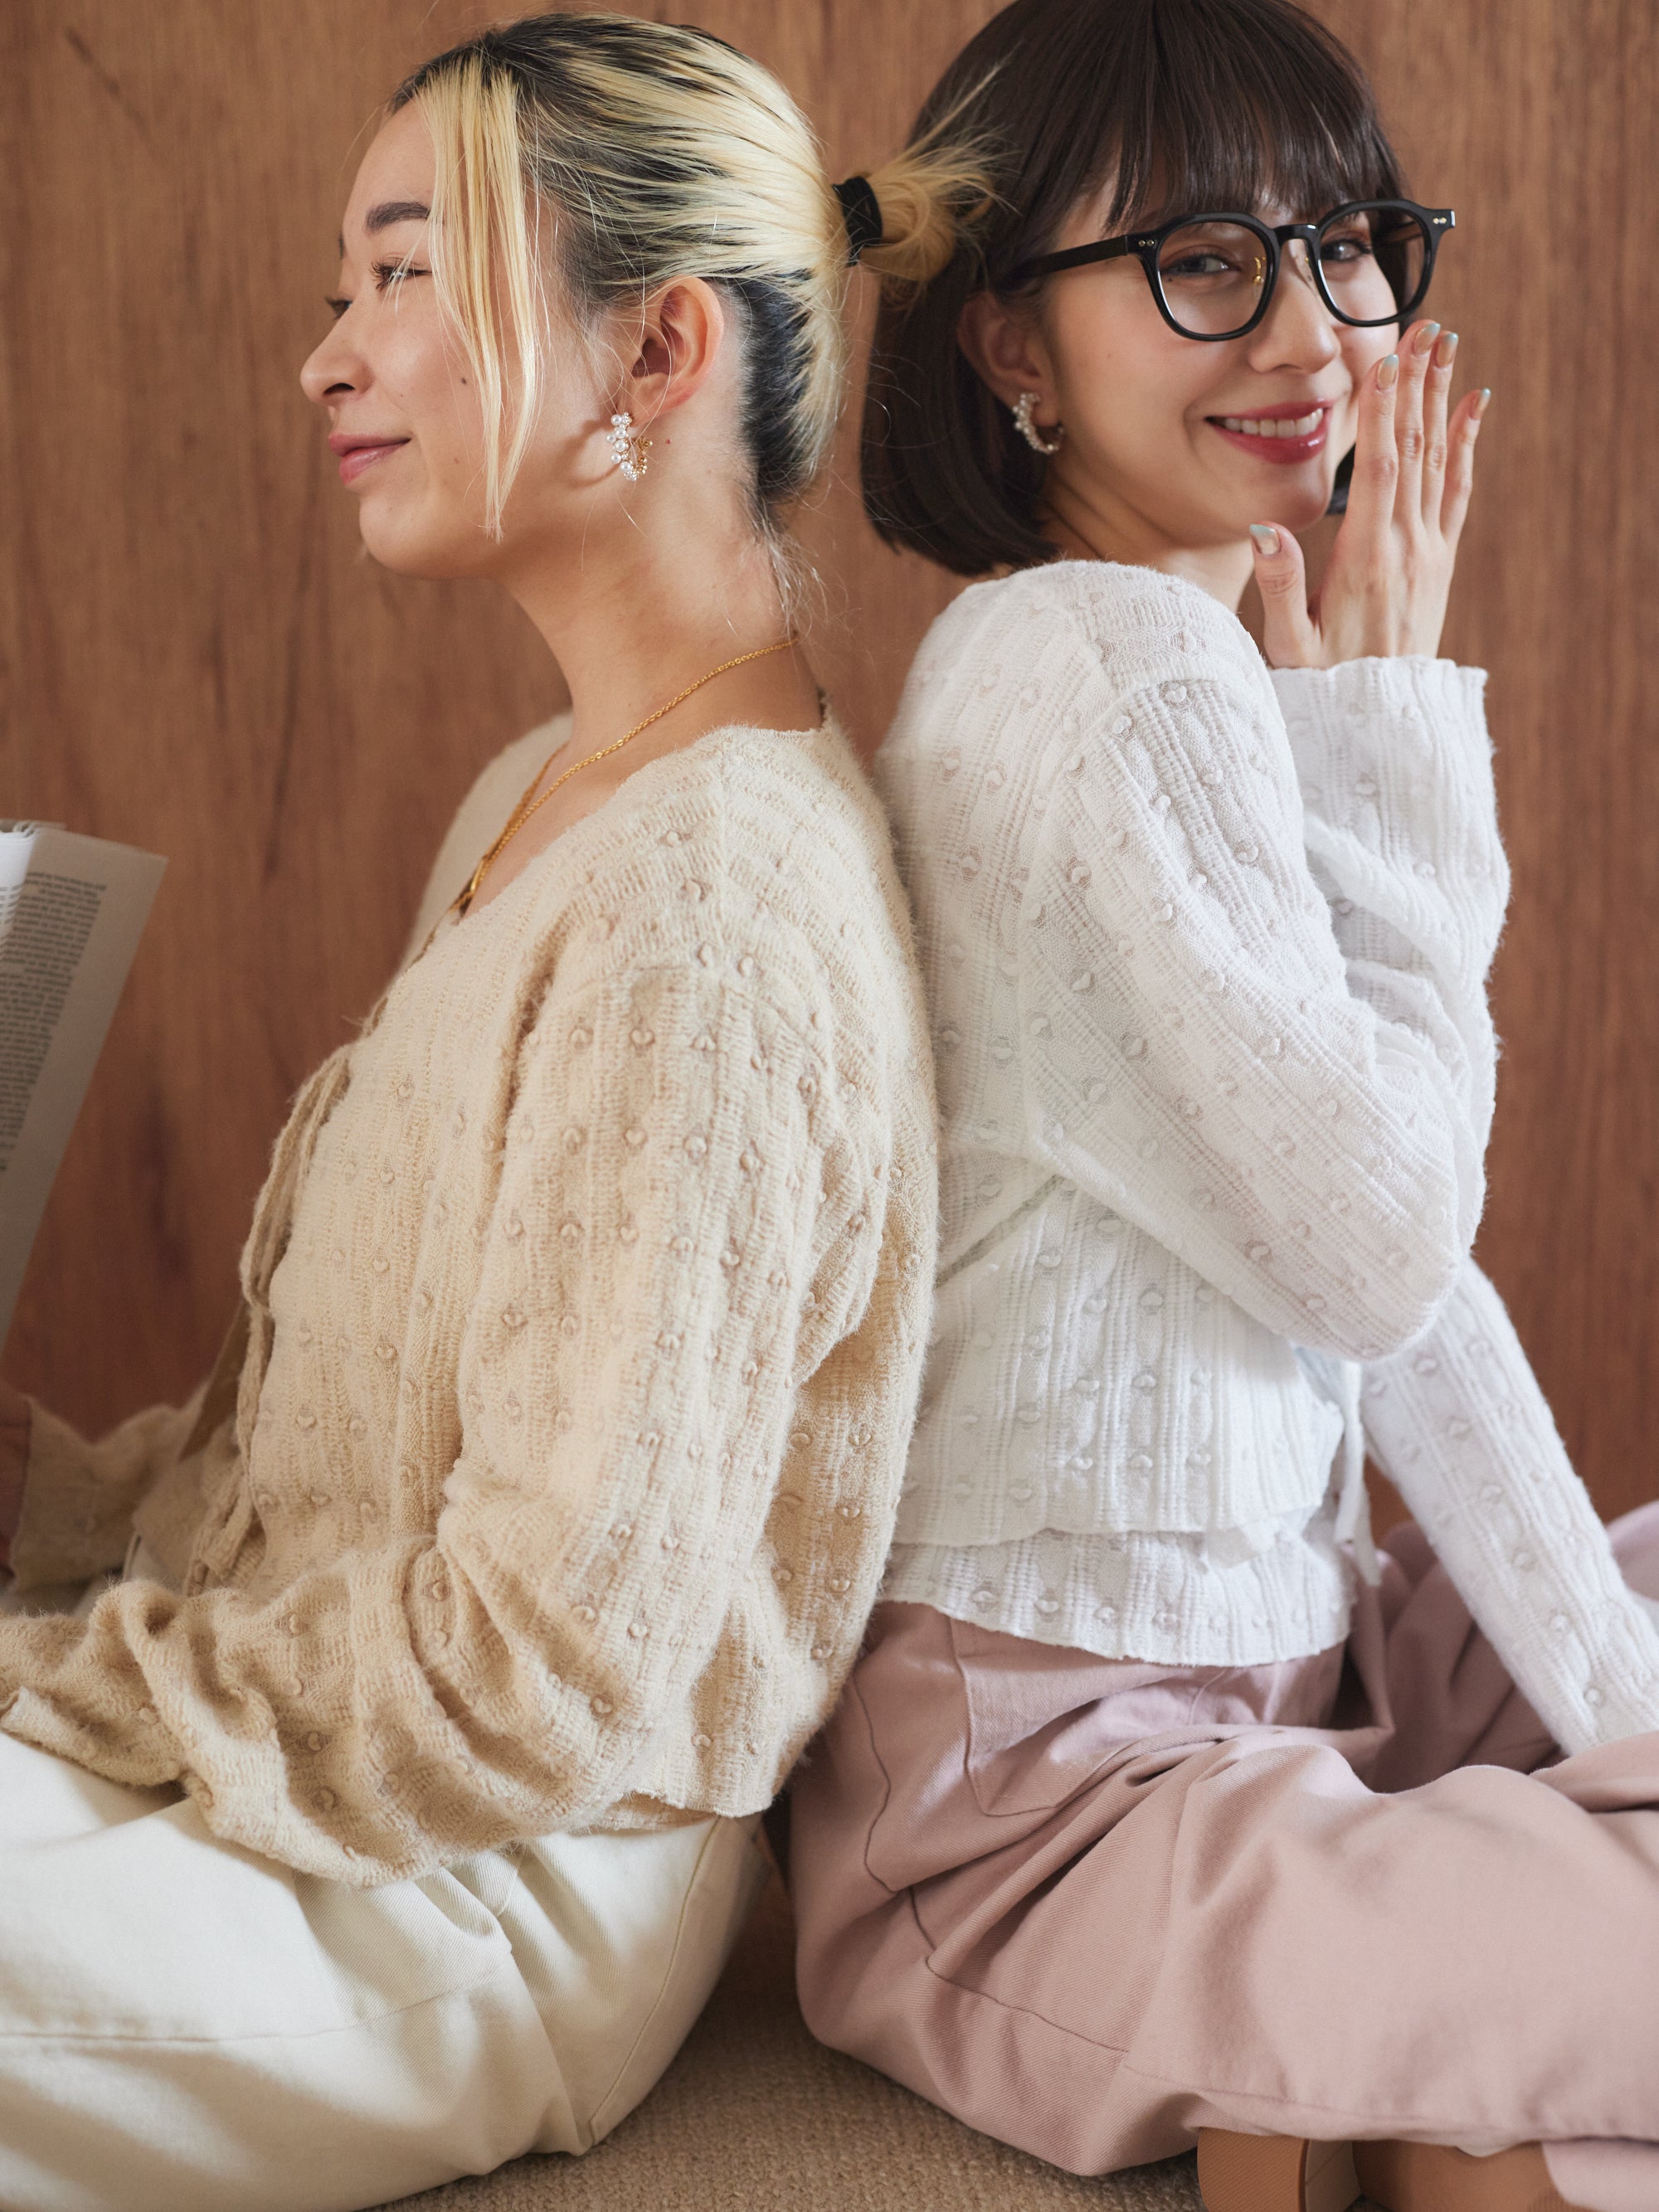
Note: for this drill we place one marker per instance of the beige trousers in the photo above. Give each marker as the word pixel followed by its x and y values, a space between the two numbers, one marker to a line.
pixel 187 2027
pixel 1091 1906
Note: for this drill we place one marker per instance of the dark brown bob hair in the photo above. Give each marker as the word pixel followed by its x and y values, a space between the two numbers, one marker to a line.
pixel 1180 105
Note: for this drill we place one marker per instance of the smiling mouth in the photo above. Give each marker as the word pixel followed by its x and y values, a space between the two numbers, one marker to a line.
pixel 1283 434
pixel 1272 426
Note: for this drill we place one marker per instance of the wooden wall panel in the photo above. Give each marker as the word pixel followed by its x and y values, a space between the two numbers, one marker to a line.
pixel 194 656
pixel 1536 122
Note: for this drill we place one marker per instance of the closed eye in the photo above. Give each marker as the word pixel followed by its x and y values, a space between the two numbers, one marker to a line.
pixel 387 273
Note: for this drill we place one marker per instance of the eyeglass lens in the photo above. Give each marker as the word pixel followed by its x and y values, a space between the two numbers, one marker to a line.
pixel 1370 264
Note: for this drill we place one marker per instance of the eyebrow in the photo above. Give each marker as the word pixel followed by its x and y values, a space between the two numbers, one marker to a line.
pixel 388 212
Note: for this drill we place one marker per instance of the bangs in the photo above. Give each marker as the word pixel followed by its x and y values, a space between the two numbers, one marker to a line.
pixel 1230 108
pixel 1136 111
pixel 1171 106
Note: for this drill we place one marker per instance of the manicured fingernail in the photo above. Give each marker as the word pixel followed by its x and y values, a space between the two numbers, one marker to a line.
pixel 1387 370
pixel 1426 335
pixel 1481 402
pixel 1267 539
pixel 1446 349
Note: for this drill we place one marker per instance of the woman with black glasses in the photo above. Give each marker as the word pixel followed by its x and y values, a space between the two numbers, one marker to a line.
pixel 1161 1806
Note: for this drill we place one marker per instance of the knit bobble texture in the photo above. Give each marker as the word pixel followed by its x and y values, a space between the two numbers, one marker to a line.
pixel 586 1303
pixel 1206 952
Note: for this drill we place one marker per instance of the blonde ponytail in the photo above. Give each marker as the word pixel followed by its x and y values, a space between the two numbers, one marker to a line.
pixel 935 196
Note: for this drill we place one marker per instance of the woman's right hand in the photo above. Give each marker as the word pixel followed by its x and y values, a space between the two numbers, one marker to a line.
pixel 1385 588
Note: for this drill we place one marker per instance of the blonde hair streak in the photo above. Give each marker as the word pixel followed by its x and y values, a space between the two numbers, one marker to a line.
pixel 619 155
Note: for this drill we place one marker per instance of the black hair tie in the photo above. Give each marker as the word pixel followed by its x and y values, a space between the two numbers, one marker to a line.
pixel 862 212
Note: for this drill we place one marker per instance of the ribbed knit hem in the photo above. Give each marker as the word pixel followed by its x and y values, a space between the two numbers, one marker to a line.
pixel 1157 1598
pixel 1438 705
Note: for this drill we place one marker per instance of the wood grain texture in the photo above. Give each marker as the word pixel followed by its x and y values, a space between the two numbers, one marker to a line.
pixel 194 656
pixel 1535 122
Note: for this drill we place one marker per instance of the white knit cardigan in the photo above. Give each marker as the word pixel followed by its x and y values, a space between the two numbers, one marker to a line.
pixel 1205 952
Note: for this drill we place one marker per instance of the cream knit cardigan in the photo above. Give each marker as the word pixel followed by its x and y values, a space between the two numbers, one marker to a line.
pixel 586 1299
pixel 1205 952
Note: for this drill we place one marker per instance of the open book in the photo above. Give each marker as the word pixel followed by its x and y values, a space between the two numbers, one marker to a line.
pixel 71 913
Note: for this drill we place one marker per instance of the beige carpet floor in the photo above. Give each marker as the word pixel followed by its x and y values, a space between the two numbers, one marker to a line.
pixel 753 2116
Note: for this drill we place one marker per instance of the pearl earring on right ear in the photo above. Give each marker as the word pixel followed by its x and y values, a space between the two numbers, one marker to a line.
pixel 1025 407
pixel 627 448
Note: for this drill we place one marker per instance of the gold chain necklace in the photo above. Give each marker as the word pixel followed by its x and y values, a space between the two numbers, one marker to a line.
pixel 528 805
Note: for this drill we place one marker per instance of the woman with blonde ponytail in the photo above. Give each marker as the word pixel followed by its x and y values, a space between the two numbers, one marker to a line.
pixel 1163 1805
pixel 383 1733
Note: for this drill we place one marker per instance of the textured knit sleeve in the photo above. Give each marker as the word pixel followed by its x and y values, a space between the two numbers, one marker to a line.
pixel 682 1230
pixel 75 1512
pixel 1401 830
pixel 1301 1120
pixel 1461 1427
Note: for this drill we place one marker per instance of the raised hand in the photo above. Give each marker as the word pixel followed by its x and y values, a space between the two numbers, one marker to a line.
pixel 1384 590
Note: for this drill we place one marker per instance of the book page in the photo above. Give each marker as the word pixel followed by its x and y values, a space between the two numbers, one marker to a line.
pixel 16 844
pixel 69 928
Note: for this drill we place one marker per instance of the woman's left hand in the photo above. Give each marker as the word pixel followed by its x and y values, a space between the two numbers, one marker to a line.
pixel 1385 588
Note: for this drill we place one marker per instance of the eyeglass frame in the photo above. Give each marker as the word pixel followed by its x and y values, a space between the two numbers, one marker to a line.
pixel 1147 245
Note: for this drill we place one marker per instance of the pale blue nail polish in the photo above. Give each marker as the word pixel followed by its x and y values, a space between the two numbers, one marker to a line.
pixel 1267 539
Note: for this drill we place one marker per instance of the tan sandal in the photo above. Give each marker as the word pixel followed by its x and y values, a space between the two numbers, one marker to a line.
pixel 1291 2173
pixel 1274 2173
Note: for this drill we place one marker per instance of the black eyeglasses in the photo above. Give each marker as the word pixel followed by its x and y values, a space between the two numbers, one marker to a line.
pixel 1213 276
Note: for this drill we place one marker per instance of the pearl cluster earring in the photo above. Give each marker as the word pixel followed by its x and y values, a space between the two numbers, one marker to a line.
pixel 627 448
pixel 1024 408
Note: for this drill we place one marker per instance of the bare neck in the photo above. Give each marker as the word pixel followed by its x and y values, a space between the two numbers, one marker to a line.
pixel 652 596
pixel 1088 527
pixel 645 605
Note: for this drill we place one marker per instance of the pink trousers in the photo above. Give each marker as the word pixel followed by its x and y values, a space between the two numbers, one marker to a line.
pixel 1090 1907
